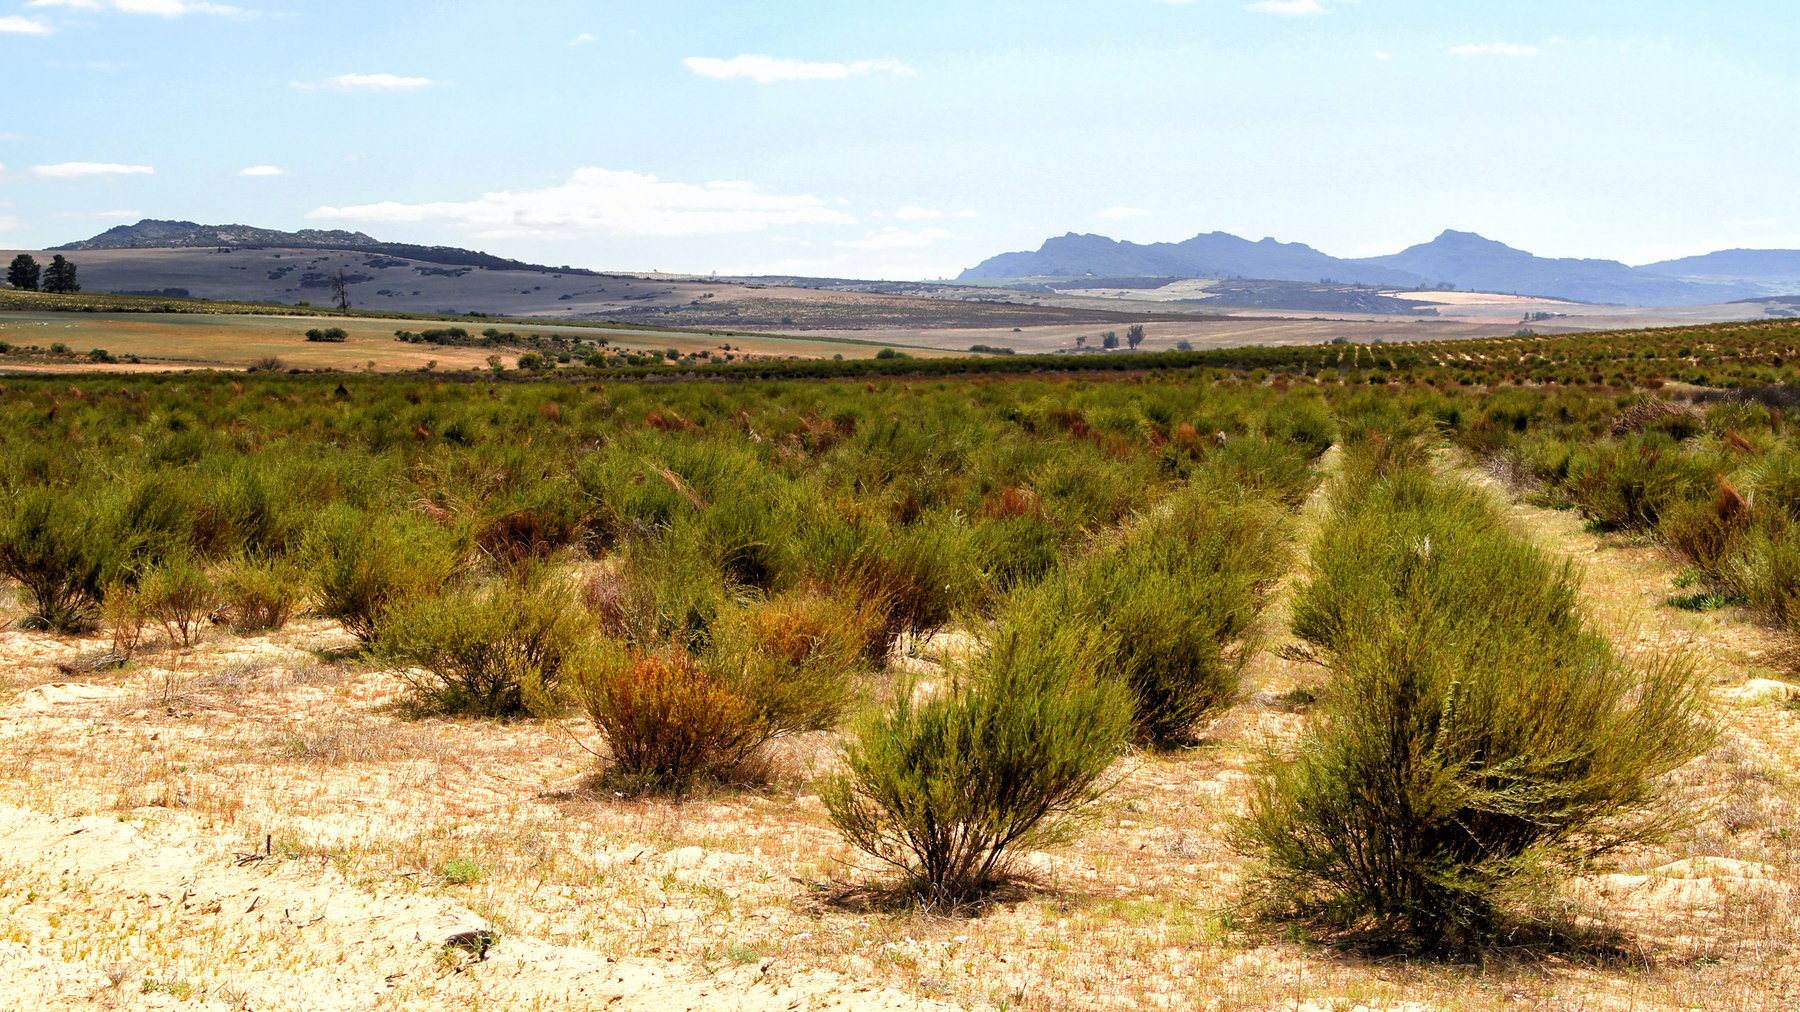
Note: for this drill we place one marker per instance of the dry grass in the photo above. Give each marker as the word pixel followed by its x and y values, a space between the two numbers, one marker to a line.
pixel 389 829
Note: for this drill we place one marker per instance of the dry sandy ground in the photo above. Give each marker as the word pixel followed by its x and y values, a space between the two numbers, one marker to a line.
pixel 252 825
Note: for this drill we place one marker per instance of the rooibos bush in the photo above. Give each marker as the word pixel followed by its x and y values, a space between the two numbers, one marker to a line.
pixel 950 783
pixel 1473 727
pixel 260 594
pixel 365 562
pixel 496 651
pixel 56 547
pixel 1176 600
pixel 771 670
pixel 668 722
pixel 178 594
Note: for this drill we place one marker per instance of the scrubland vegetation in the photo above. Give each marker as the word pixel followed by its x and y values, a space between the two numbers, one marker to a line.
pixel 985 601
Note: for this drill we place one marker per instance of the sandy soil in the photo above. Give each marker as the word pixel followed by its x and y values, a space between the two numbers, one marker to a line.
pixel 252 825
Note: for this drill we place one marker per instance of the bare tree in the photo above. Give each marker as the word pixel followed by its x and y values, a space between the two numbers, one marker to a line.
pixel 340 290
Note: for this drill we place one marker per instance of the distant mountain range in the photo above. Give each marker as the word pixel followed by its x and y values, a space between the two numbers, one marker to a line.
pixel 152 233
pixel 1461 260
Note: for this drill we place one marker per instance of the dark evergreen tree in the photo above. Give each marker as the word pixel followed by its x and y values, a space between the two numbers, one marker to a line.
pixel 24 272
pixel 60 276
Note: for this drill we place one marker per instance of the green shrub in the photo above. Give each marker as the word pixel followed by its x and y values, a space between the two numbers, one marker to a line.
pixel 1630 484
pixel 179 595
pixel 1177 599
pixel 1473 728
pixel 1017 550
pixel 501 650
pixel 125 616
pixel 1766 572
pixel 461 871
pixel 54 544
pixel 260 594
pixel 918 577
pixel 1775 484
pixel 950 783
pixel 365 562
pixel 793 658
pixel 1708 534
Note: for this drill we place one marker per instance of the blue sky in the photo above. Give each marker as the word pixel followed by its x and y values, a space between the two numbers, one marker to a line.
pixel 908 140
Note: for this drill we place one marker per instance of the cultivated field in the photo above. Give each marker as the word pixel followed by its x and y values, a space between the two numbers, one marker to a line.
pixel 198 340
pixel 413 694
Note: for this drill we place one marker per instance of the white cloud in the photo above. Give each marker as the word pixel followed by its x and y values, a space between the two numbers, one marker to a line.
pixel 899 238
pixel 13 24
pixel 82 170
pixel 1121 212
pixel 581 40
pixel 103 215
pixel 769 69
pixel 912 213
pixel 1383 56
pixel 1494 49
pixel 262 170
pixel 1289 8
pixel 378 82
pixel 605 202
pixel 159 8
pixel 10 223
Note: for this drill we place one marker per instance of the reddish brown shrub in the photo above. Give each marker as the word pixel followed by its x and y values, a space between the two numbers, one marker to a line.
pixel 668 723
pixel 1006 503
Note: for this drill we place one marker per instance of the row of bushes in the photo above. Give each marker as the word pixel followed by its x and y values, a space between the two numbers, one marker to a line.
pixel 1720 487
pixel 1474 728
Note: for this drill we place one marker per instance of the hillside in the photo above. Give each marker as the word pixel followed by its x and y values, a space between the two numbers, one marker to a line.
pixel 1454 259
pixel 152 233
pixel 1769 266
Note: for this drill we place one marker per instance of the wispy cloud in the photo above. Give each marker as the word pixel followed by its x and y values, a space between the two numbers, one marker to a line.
pixel 124 215
pixel 769 69
pixel 86 170
pixel 368 82
pixel 13 24
pixel 1290 8
pixel 581 40
pixel 159 8
pixel 1494 49
pixel 1121 212
pixel 262 170
pixel 900 238
pixel 606 202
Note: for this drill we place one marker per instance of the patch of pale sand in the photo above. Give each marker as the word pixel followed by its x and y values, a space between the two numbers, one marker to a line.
pixel 90 896
pixel 1760 691
pixel 1477 298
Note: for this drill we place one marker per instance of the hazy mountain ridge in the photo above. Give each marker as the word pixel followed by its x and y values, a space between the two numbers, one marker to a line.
pixel 153 233
pixel 1453 259
pixel 1775 266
